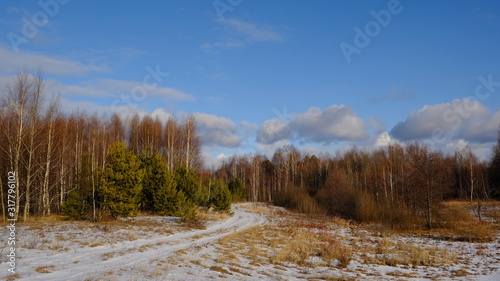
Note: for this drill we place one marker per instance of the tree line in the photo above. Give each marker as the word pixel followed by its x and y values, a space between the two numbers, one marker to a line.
pixel 93 167
pixel 71 162
pixel 392 183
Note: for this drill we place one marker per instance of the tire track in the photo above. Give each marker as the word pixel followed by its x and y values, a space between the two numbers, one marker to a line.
pixel 90 263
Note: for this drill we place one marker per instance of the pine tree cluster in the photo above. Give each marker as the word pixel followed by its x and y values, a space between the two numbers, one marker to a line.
pixel 130 183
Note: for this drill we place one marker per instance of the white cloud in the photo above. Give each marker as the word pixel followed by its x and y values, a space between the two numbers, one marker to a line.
pixel 13 62
pixel 481 150
pixel 217 131
pixel 273 130
pixel 127 96
pixel 335 123
pixel 69 106
pixel 162 114
pixel 214 162
pixel 139 90
pixel 54 86
pixel 462 118
pixel 383 140
pixel 244 33
pixel 254 32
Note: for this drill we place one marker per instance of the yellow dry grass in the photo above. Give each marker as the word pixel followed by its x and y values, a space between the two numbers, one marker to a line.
pixel 393 252
pixel 45 219
pixel 257 208
pixel 280 245
pixel 309 242
pixel 457 222
pixel 206 215
pixel 12 277
pixel 219 269
pixel 45 269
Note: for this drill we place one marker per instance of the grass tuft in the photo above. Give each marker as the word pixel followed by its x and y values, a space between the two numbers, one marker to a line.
pixel 45 269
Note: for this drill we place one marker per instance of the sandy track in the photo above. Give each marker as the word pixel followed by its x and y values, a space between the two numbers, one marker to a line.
pixel 89 261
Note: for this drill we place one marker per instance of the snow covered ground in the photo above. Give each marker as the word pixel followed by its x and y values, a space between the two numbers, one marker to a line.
pixel 258 242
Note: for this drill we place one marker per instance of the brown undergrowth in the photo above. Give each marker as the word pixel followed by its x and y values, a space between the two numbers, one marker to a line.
pixel 308 242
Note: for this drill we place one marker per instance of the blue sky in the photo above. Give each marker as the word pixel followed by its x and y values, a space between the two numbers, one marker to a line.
pixel 260 74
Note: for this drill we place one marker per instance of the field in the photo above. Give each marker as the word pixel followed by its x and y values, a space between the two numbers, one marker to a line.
pixel 256 242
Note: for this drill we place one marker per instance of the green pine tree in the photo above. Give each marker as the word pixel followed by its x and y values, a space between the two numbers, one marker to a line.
pixel 156 179
pixel 81 200
pixel 220 196
pixel 186 208
pixel 188 182
pixel 121 182
pixel 159 189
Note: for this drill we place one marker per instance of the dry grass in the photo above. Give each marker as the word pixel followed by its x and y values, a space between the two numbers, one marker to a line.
pixel 257 208
pixel 333 248
pixel 13 277
pixel 128 223
pixel 492 211
pixel 398 273
pixel 456 222
pixel 45 219
pixel 310 242
pixel 132 236
pixel 238 270
pixel 219 269
pixel 334 278
pixel 305 244
pixel 207 215
pixel 45 269
pixel 58 248
pixel 107 256
pixel 286 244
pixel 394 252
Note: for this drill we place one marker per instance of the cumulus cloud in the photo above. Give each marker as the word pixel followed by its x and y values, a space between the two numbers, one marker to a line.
pixel 481 150
pixel 461 119
pixel 217 131
pixel 273 130
pixel 335 123
pixel 383 140
pixel 162 114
